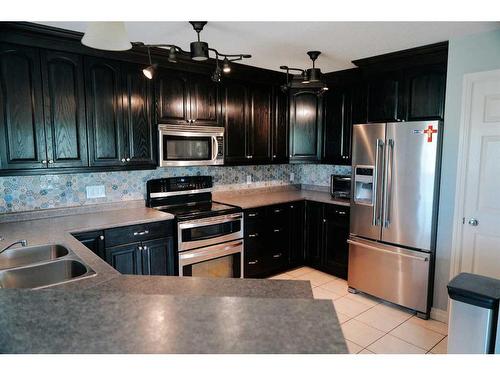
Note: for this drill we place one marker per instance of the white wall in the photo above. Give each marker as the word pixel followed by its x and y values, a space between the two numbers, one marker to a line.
pixel 473 53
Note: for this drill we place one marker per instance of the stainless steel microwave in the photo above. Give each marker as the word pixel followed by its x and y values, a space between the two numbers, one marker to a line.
pixel 186 145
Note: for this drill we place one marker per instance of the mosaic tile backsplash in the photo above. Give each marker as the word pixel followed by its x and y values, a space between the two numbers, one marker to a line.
pixel 25 193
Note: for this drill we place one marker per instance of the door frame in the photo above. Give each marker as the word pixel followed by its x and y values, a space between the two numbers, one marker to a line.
pixel 463 146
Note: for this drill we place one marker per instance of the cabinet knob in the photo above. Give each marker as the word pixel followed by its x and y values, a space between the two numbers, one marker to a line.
pixel 128 159
pixel 140 248
pixel 274 156
pixel 144 248
pixel 123 160
pixel 324 220
pixel 101 238
pixel 291 206
pixel 44 161
pixel 193 121
pixel 249 156
pixel 51 161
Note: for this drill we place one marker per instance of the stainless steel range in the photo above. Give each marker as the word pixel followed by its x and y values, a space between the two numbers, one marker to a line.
pixel 209 234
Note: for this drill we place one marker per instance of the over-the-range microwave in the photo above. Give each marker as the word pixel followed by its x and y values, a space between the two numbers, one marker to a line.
pixel 188 145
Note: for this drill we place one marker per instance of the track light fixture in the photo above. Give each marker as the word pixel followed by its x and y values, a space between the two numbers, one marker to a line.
pixel 310 77
pixel 198 51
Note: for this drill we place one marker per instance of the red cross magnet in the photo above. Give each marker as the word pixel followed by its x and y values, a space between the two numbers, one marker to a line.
pixel 430 131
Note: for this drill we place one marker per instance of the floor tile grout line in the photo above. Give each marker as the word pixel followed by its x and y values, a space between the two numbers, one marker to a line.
pixel 393 335
pixel 411 342
pixel 439 342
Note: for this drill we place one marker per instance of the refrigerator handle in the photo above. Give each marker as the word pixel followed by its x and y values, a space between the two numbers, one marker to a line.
pixel 376 216
pixel 388 184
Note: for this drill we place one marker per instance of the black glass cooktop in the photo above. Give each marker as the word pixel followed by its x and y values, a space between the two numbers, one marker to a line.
pixel 199 210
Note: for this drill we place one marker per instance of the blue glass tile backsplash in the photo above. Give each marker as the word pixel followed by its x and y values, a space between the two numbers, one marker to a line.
pixel 24 193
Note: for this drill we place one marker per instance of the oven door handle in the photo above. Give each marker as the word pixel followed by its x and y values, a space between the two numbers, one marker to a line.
pixel 215 148
pixel 211 252
pixel 210 221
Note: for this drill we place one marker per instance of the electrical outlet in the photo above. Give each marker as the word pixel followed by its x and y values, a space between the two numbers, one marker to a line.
pixel 249 179
pixel 292 177
pixel 97 191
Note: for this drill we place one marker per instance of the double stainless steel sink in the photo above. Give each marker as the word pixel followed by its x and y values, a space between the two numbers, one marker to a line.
pixel 41 267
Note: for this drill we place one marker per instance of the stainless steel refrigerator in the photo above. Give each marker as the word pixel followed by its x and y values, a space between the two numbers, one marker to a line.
pixel 395 188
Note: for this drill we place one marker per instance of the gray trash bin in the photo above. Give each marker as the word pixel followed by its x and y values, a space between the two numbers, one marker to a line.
pixel 474 321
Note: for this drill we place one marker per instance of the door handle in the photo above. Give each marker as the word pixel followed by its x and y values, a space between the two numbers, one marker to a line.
pixel 366 246
pixel 376 217
pixel 473 222
pixel 141 233
pixel 388 183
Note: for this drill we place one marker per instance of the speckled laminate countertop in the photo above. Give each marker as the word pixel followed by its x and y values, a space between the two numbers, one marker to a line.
pixel 263 197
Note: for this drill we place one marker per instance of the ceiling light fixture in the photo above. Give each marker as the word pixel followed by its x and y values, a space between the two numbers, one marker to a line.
pixel 310 77
pixel 109 36
pixel 198 51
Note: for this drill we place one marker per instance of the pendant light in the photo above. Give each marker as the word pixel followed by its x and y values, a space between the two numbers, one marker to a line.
pixel 226 68
pixel 110 36
pixel 308 77
pixel 199 49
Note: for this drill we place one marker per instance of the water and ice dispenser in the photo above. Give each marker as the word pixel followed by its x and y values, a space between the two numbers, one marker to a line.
pixel 364 185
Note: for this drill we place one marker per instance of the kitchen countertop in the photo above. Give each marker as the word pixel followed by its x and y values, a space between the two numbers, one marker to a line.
pixel 49 321
pixel 263 197
pixel 114 313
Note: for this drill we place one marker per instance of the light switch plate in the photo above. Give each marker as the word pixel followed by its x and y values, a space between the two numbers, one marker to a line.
pixel 292 177
pixel 97 191
pixel 249 179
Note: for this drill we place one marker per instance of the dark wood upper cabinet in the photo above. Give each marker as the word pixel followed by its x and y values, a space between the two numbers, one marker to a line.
pixel 425 92
pixel 236 117
pixel 172 97
pixel 338 126
pixel 22 137
pixel 359 97
pixel 280 128
pixel 137 119
pixel 205 106
pixel 261 101
pixel 64 100
pixel 306 126
pixel 384 97
pixel 104 112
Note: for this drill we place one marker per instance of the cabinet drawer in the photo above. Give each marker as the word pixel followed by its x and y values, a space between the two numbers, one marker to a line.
pixel 254 214
pixel 339 214
pixel 278 213
pixel 136 233
pixel 254 265
pixel 275 260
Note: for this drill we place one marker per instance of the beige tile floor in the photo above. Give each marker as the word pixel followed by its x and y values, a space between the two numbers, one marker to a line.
pixel 371 325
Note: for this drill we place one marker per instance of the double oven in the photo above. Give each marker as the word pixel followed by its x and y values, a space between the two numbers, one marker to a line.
pixel 209 234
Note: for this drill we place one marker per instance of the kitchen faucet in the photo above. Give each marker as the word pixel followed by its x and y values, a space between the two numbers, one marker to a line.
pixel 23 243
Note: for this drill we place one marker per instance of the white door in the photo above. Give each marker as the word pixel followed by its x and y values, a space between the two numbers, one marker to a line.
pixel 480 185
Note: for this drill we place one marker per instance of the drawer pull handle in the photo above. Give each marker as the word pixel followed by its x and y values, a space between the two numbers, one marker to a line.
pixel 277 230
pixel 340 212
pixel 141 233
pixel 277 255
pixel 278 210
pixel 253 235
pixel 253 262
pixel 252 215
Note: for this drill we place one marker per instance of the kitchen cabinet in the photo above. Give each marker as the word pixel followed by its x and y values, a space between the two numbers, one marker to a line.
pixel 143 249
pixel 248 119
pixel 187 98
pixel 296 224
pixel 306 126
pixel 327 231
pixel 425 92
pixel 385 102
pixel 280 128
pixel 42 107
pixel 338 126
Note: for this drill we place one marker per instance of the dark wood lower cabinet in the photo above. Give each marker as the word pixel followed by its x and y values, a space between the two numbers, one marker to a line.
pixel 284 236
pixel 146 249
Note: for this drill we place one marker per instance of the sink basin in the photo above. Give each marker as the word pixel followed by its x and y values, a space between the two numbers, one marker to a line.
pixel 22 256
pixel 45 274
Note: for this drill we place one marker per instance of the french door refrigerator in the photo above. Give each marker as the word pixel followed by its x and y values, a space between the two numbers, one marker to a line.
pixel 395 188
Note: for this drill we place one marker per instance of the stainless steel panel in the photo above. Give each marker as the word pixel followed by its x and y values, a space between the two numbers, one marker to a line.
pixel 410 178
pixel 392 273
pixel 365 219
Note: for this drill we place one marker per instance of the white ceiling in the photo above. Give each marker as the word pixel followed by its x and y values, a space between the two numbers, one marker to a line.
pixel 285 43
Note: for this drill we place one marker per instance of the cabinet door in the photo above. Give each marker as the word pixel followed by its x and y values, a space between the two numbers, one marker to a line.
pixel 359 97
pixel 426 93
pixel 335 247
pixel 172 97
pixel 137 104
pixel 22 138
pixel 236 119
pixel 384 101
pixel 104 112
pixel 205 104
pixel 338 127
pixel 314 233
pixel 126 259
pixel 158 257
pixel 280 128
pixel 64 99
pixel 306 124
pixel 94 241
pixel 260 124
pixel 297 231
